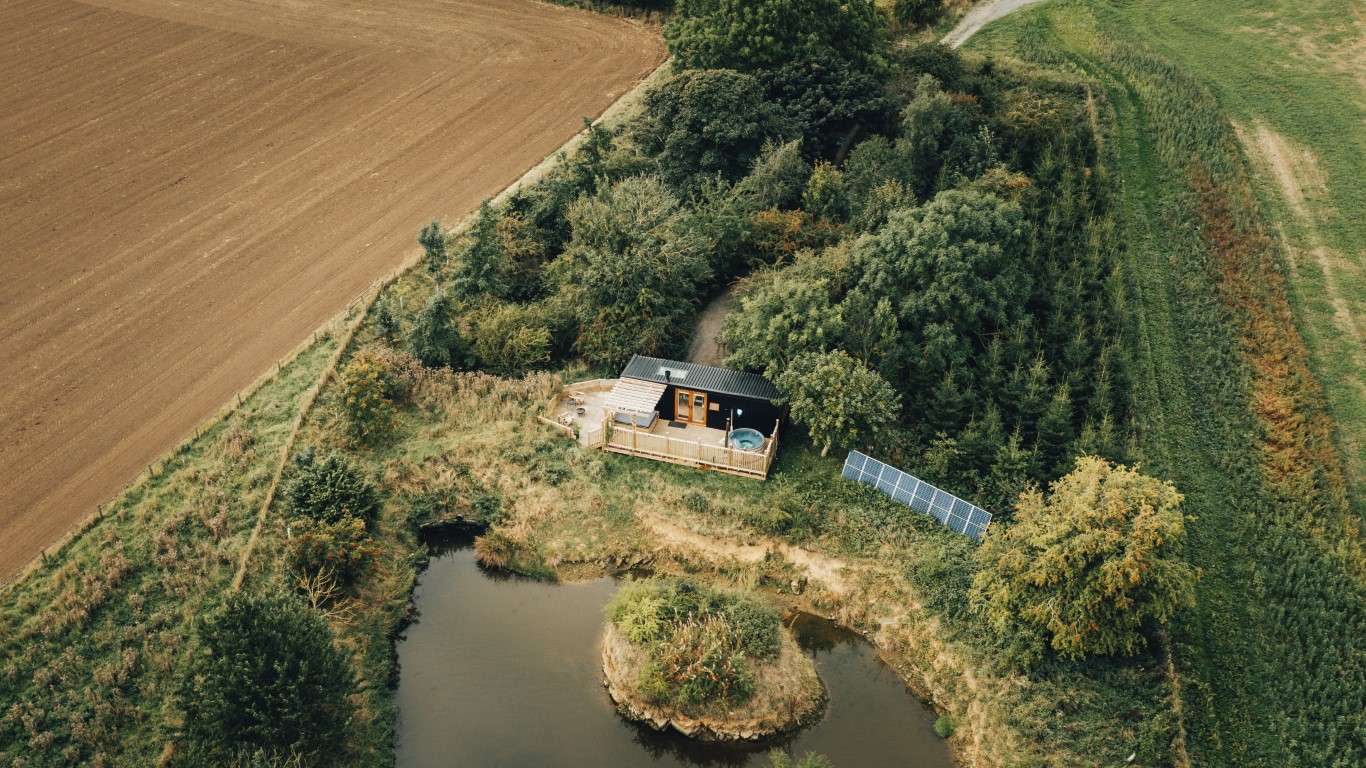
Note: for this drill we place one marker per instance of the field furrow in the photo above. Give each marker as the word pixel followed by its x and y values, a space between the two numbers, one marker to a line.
pixel 188 190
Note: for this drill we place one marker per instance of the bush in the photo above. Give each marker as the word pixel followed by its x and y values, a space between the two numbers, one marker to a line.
pixel 512 339
pixel 329 489
pixel 340 550
pixel 367 387
pixel 1091 564
pixel 270 679
pixel 700 643
pixel 433 338
pixel 944 727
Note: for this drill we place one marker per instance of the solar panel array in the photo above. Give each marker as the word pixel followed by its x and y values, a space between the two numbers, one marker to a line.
pixel 963 517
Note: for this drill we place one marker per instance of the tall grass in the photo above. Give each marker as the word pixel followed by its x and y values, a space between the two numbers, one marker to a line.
pixel 93 641
pixel 1230 411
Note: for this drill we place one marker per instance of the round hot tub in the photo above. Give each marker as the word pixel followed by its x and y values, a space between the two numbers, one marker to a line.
pixel 746 439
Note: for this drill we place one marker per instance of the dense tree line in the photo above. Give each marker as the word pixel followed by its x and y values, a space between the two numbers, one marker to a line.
pixel 994 307
pixel 945 224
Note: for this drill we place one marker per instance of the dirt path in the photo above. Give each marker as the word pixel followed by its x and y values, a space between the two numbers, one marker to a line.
pixel 1297 176
pixel 187 190
pixel 979 17
pixel 832 572
pixel 706 348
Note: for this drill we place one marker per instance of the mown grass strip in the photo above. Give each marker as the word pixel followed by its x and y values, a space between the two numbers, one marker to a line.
pixel 1274 535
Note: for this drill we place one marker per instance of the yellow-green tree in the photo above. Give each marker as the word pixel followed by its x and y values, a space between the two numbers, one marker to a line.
pixel 366 386
pixel 1090 563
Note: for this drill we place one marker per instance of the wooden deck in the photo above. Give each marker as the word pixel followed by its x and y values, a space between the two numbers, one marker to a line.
pixel 690 445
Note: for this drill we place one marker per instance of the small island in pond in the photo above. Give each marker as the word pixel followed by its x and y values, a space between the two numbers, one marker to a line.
pixel 712 664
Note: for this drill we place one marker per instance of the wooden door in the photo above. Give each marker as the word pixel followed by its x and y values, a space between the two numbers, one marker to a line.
pixel 690 407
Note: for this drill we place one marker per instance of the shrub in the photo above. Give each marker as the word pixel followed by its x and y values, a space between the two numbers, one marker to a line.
pixel 367 387
pixel 700 643
pixel 270 679
pixel 826 196
pixel 329 489
pixel 340 550
pixel 944 727
pixel 512 339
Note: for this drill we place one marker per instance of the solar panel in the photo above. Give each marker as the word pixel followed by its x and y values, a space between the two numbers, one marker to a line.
pixel 959 515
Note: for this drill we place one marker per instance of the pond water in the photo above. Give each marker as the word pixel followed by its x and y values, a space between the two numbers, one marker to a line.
pixel 504 672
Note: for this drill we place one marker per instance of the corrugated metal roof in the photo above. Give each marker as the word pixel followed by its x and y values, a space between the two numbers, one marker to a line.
pixel 704 377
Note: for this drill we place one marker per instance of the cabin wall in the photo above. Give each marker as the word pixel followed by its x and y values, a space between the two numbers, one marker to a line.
pixel 757 414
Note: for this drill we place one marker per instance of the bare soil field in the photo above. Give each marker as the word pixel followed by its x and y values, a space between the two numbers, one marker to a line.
pixel 188 189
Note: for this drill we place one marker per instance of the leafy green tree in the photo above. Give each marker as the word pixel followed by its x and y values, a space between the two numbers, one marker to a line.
pixel 512 339
pixel 781 316
pixel 748 37
pixel 433 242
pixel 366 388
pixel 526 252
pixel 1090 564
pixel 725 213
pixel 953 269
pixel 270 679
pixel 944 140
pixel 329 488
pixel 699 125
pixel 482 265
pixel 433 338
pixel 634 246
pixel 830 101
pixel 826 196
pixel 838 399
pixel 386 322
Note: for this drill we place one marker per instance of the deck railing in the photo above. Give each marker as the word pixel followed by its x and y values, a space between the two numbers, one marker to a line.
pixel 638 441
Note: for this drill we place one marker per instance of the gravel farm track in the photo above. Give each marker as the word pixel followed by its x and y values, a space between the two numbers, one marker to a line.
pixel 188 189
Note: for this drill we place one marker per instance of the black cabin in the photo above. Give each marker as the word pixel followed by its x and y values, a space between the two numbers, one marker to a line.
pixel 718 398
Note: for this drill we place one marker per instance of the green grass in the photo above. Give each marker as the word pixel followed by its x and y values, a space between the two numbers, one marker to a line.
pixel 1271 655
pixel 94 640
pixel 1299 68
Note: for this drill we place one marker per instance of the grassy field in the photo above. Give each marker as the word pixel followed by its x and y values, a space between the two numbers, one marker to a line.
pixel 1270 658
pixel 94 638
pixel 1293 77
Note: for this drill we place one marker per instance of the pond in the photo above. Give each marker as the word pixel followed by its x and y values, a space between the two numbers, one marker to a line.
pixel 504 672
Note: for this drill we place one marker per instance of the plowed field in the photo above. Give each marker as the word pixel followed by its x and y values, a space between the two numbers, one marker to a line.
pixel 188 189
